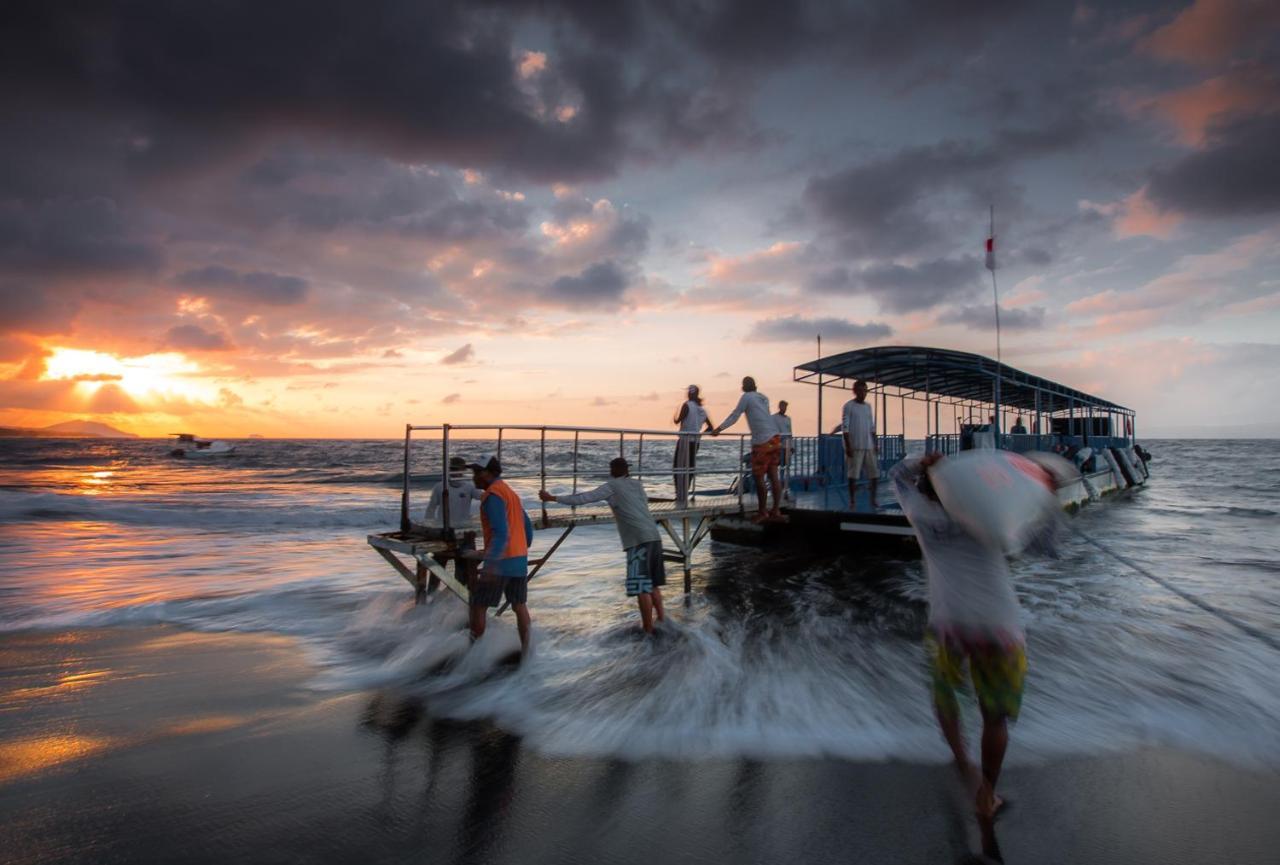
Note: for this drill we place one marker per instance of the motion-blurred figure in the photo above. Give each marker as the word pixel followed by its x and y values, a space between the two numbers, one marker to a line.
pixel 974 620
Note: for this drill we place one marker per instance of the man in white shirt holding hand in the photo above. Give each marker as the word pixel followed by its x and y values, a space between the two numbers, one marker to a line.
pixel 861 452
pixel 766 446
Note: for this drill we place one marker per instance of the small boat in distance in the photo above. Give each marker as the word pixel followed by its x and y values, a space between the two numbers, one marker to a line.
pixel 190 446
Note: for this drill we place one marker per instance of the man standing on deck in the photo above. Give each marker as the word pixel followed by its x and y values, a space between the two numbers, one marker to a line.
pixel 691 417
pixel 974 616
pixel 1019 428
pixel 861 450
pixel 646 572
pixel 504 569
pixel 783 423
pixel 461 492
pixel 766 446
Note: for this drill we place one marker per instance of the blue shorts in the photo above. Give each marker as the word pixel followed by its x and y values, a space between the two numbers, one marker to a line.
pixel 645 568
pixel 490 593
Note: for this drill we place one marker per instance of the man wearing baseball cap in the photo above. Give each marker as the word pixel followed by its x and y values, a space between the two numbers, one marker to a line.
pixel 646 573
pixel 504 570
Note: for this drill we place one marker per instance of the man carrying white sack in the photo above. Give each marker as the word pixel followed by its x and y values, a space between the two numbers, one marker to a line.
pixel 973 616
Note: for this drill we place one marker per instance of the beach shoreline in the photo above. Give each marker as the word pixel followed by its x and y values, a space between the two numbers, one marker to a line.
pixel 159 744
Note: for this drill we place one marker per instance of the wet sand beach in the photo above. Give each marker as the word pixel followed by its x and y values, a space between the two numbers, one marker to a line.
pixel 160 745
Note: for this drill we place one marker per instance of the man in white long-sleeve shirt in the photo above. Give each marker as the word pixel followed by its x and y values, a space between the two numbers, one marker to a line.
pixel 646 571
pixel 461 493
pixel 860 449
pixel 974 616
pixel 766 446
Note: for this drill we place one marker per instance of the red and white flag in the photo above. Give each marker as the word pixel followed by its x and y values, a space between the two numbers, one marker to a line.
pixel 991 253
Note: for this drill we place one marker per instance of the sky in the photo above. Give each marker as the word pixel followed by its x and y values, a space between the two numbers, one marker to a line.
pixel 326 218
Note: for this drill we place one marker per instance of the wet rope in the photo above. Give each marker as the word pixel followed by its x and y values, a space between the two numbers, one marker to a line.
pixel 1243 627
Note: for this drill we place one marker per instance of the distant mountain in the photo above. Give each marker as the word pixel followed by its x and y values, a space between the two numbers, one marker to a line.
pixel 86 428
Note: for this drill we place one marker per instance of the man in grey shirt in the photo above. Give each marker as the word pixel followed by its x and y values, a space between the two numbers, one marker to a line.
pixel 646 572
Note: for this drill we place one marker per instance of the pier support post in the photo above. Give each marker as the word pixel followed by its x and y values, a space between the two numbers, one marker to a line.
pixel 420 584
pixel 688 552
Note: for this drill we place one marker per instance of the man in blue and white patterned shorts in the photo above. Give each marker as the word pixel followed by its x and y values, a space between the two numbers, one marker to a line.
pixel 646 572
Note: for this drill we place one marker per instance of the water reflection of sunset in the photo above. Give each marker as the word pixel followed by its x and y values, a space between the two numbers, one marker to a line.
pixel 21 758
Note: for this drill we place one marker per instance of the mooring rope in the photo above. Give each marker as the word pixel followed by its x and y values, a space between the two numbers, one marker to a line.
pixel 1243 627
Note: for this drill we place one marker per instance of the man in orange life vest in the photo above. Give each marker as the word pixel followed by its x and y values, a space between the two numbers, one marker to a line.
pixel 504 569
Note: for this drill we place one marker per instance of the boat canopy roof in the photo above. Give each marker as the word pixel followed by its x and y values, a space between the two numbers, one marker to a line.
pixel 944 372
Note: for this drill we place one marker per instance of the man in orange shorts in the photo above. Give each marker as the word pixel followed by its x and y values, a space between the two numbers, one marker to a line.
pixel 766 446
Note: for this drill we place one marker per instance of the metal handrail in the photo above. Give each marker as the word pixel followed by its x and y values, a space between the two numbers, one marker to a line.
pixel 543 473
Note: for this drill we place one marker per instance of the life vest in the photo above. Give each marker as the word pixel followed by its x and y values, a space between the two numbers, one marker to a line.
pixel 517 544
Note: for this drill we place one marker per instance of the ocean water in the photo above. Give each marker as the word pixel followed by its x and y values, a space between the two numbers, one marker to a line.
pixel 774 654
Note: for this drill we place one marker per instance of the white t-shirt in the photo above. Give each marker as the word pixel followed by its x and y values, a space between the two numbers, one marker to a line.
pixel 860 425
pixel 755 406
pixel 783 423
pixel 970 589
pixel 461 494
pixel 695 417
pixel 630 505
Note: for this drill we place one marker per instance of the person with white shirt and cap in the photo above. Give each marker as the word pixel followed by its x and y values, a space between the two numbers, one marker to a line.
pixel 784 430
pixel 691 417
pixel 461 493
pixel 766 446
pixel 861 451
pixel 646 572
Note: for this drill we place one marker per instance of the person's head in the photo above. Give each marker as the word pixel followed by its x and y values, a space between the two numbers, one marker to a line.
pixel 782 406
pixel 748 384
pixel 1018 420
pixel 457 465
pixel 695 394
pixel 485 471
pixel 860 390
pixel 619 467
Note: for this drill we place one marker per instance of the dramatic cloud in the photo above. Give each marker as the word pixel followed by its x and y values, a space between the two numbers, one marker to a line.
pixel 1237 174
pixel 192 337
pixel 901 288
pixel 460 355
pixel 598 286
pixel 983 318
pixel 1210 31
pixel 270 288
pixel 793 328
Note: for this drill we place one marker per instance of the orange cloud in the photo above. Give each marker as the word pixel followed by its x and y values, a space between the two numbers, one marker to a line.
pixel 1192 110
pixel 1210 31
pixel 1140 216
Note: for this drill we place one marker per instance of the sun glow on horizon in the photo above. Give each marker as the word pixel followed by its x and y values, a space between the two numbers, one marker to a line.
pixel 161 374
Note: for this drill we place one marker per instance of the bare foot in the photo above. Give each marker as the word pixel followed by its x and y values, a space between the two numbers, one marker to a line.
pixel 986 803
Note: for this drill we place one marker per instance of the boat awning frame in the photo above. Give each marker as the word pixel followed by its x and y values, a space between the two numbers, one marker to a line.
pixel 939 372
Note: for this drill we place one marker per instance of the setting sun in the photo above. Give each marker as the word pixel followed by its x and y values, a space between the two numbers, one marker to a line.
pixel 165 374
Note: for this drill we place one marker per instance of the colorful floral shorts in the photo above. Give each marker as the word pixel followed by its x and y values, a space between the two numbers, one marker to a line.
pixel 997 670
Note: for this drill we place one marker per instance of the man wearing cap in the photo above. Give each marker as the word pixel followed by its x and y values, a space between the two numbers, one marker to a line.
pixel 504 569
pixel 691 417
pixel 861 447
pixel 461 492
pixel 783 422
pixel 646 573
pixel 766 445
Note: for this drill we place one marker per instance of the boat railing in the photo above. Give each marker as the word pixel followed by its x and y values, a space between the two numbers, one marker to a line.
pixel 577 457
pixel 825 462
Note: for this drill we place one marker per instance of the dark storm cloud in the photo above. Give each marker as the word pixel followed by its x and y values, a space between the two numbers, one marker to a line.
pixel 63 236
pixel 29 310
pixel 1239 173
pixel 599 285
pixel 793 328
pixel 901 288
pixel 273 289
pixel 981 317
pixel 192 337
pixel 882 34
